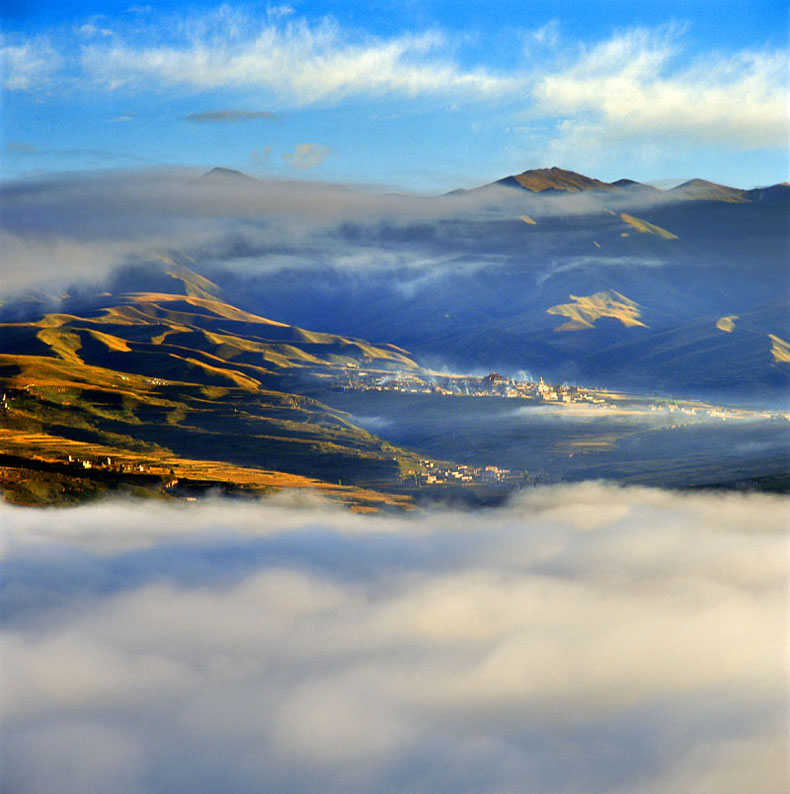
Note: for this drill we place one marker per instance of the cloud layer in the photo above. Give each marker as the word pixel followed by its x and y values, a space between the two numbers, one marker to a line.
pixel 307 155
pixel 78 228
pixel 228 116
pixel 640 84
pixel 294 60
pixel 585 639
pixel 636 87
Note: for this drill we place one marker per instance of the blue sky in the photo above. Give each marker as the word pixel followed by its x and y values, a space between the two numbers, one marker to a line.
pixel 425 96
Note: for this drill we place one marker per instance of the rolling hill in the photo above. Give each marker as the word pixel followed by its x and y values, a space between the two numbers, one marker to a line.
pixel 190 388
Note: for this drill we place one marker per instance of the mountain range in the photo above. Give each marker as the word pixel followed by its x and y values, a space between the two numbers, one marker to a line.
pixel 558 180
pixel 683 259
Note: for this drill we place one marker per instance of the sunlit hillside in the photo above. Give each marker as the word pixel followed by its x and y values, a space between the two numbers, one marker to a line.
pixel 163 382
pixel 584 310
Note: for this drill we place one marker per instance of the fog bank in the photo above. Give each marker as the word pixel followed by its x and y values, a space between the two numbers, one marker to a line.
pixel 583 639
pixel 69 229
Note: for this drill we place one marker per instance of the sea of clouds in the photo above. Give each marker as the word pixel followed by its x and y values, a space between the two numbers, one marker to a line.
pixel 76 229
pixel 584 638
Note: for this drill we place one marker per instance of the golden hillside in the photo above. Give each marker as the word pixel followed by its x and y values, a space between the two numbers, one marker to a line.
pixel 192 384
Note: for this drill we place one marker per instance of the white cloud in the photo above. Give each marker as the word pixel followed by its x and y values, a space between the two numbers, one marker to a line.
pixel 90 31
pixel 274 12
pixel 587 639
pixel 634 94
pixel 260 157
pixel 28 65
pixel 307 155
pixel 547 35
pixel 294 60
pixel 632 87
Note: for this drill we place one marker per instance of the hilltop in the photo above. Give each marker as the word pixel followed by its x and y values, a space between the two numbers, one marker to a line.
pixel 542 179
pixel 227 176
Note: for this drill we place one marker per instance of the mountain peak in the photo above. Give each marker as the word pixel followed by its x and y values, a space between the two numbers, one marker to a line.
pixel 540 179
pixel 702 190
pixel 631 184
pixel 220 175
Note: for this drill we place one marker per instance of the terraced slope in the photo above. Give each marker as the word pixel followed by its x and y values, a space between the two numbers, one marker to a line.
pixel 166 381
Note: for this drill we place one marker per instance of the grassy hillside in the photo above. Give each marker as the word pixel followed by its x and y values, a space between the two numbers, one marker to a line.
pixel 185 387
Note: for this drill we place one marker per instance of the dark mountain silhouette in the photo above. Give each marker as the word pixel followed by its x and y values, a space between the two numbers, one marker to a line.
pixel 227 176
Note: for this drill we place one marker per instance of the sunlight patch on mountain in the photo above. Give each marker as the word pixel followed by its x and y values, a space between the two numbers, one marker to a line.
pixel 780 349
pixel 586 309
pixel 645 227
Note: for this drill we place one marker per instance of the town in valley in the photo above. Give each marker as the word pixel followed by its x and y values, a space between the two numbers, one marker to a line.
pixel 496 385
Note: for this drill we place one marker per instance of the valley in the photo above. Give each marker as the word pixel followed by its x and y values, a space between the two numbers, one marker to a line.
pixel 680 444
pixel 178 395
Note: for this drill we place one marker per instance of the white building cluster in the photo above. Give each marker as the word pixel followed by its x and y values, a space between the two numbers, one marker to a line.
pixel 460 474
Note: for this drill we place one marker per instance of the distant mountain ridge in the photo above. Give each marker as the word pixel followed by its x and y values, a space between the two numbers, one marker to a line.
pixel 487 280
pixel 559 180
pixel 227 176
pixel 701 189
pixel 555 180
